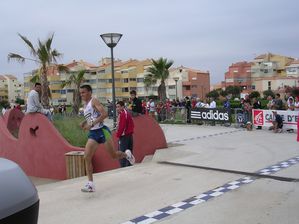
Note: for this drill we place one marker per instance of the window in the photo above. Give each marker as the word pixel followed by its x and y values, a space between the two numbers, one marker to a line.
pixel 140 89
pixel 171 87
pixel 70 90
pixel 140 79
pixel 126 80
pixel 252 87
pixel 63 91
pixel 101 72
pixel 269 85
pixel 124 71
pixel 132 80
pixel 125 90
pixel 133 88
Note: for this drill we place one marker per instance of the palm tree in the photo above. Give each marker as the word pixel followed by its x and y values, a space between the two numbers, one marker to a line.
pixel 159 71
pixel 75 79
pixel 45 56
pixel 149 81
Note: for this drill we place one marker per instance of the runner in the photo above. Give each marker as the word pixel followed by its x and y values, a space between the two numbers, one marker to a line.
pixel 95 114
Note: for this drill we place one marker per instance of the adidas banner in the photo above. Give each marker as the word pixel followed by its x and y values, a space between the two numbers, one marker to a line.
pixel 265 117
pixel 206 114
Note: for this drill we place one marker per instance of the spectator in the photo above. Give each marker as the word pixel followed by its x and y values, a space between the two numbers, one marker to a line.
pixel 4 109
pixel 125 130
pixel 212 104
pixel 188 109
pixel 278 105
pixel 270 104
pixel 277 122
pixel 33 103
pixel 136 104
pixel 152 108
pixel 257 105
pixel 247 108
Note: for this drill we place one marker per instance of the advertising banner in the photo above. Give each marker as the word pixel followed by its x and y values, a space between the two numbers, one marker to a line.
pixel 206 114
pixel 265 117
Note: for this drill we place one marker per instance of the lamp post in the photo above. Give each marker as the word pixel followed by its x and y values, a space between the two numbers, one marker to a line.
pixel 111 40
pixel 176 79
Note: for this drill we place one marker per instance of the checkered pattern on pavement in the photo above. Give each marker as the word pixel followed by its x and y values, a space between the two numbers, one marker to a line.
pixel 206 196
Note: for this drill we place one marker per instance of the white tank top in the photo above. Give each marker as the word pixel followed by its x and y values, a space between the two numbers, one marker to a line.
pixel 91 114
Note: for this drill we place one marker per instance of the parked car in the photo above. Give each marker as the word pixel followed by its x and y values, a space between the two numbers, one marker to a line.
pixel 19 199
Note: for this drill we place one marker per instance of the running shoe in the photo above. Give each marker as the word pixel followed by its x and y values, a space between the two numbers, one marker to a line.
pixel 130 156
pixel 88 188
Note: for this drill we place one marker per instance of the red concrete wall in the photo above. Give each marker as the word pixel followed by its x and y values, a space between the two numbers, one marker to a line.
pixel 148 136
pixel 43 154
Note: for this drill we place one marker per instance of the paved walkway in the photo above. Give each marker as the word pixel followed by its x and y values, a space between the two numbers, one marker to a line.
pixel 154 192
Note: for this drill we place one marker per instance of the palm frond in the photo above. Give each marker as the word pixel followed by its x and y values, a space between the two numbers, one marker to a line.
pixel 29 44
pixel 49 43
pixel 17 57
pixel 35 78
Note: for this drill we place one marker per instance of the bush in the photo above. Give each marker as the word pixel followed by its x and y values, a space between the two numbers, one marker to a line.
pixel 267 93
pixel 254 94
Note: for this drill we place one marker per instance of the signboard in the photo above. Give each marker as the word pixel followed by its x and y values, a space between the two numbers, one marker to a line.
pixel 265 117
pixel 206 114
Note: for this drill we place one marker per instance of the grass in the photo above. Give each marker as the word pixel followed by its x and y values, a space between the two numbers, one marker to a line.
pixel 70 130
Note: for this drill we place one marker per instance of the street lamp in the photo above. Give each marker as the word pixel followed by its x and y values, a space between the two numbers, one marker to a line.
pixel 111 40
pixel 176 79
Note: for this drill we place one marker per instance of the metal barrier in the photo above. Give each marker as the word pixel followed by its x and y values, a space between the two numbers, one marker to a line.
pixel 172 115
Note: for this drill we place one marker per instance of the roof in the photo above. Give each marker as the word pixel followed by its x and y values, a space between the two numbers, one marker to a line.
pixel 295 62
pixel 74 63
pixel 10 76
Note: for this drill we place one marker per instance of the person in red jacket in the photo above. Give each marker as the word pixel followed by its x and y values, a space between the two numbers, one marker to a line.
pixel 125 130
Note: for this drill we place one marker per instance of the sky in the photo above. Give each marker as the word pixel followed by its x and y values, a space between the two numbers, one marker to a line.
pixel 207 35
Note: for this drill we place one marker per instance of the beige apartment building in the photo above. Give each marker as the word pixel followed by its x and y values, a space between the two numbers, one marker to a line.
pixel 266 72
pixel 129 75
pixel 10 88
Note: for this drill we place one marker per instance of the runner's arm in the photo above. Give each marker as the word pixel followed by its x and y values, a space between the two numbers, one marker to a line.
pixel 99 107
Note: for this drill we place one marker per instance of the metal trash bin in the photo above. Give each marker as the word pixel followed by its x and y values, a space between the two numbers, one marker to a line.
pixel 19 202
pixel 75 164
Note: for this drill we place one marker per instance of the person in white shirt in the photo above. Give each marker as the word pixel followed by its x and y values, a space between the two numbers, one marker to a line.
pixel 213 104
pixel 33 103
pixel 3 110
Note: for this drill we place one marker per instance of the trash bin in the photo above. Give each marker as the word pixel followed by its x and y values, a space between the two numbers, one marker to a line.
pixel 19 202
pixel 75 164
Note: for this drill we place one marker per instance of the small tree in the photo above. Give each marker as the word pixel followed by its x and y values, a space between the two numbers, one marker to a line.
pixel 254 94
pixel 267 93
pixel 213 94
pixel 234 90
pixel 75 79
pixel 160 71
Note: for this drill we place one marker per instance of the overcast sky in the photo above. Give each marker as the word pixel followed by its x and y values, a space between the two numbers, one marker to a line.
pixel 205 35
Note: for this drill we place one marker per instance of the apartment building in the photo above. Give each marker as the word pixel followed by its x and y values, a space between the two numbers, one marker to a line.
pixel 128 75
pixel 266 72
pixel 10 88
pixel 270 65
pixel 239 74
pixel 292 69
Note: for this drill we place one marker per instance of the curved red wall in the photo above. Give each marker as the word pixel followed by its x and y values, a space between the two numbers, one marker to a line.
pixel 43 154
